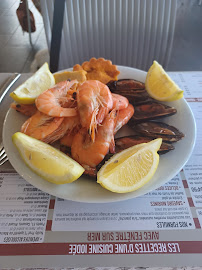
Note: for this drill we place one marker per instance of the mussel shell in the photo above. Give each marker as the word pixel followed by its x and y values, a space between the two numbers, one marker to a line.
pixel 125 142
pixel 138 98
pixel 151 111
pixel 133 90
pixel 162 130
pixel 125 84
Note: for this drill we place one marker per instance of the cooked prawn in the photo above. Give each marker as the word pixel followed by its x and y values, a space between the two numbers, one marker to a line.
pixel 26 109
pixel 119 102
pixel 42 127
pixel 73 125
pixel 49 129
pixel 67 139
pixel 55 102
pixel 67 126
pixel 94 101
pixel 123 117
pixel 89 153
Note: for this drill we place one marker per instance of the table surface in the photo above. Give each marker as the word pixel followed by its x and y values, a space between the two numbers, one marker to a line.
pixel 98 262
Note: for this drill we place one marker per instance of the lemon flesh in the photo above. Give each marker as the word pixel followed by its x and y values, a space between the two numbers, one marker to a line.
pixel 46 161
pixel 130 169
pixel 79 75
pixel 27 92
pixel 160 86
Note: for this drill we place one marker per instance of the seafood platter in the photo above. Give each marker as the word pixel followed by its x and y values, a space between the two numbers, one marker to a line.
pixel 140 119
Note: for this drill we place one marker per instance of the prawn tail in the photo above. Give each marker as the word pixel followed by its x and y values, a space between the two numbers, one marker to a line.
pixel 90 171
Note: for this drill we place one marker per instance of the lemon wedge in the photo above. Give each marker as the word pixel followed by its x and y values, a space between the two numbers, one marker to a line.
pixel 160 86
pixel 46 161
pixel 79 75
pixel 130 169
pixel 40 81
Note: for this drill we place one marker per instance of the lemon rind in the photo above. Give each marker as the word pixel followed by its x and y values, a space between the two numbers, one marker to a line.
pixel 71 176
pixel 177 93
pixel 22 98
pixel 153 146
pixel 116 188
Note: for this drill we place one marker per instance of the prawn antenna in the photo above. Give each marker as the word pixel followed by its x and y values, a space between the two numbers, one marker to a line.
pixel 93 124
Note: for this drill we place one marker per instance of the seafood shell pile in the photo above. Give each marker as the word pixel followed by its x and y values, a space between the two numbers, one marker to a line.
pixel 145 120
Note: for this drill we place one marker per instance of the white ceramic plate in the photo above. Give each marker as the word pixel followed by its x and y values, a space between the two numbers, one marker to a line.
pixel 86 189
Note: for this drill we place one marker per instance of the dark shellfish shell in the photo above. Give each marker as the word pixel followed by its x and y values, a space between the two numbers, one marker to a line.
pixel 125 84
pixel 138 98
pixel 125 142
pixel 151 111
pixel 162 130
pixel 133 90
